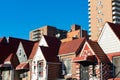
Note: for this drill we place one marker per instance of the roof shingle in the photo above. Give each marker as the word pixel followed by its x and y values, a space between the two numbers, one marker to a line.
pixel 71 46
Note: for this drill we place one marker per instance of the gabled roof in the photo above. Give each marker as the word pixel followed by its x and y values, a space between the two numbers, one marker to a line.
pixel 13 46
pixel 115 28
pixel 27 45
pixel 4 52
pixel 34 50
pixel 50 54
pixel 99 52
pixel 3 40
pixel 90 52
pixel 52 41
pixel 71 46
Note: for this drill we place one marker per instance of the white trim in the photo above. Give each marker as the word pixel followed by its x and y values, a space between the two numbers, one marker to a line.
pixel 67 54
pixel 86 43
pixel 102 32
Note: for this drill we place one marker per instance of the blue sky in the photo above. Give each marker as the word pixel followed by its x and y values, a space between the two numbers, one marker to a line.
pixel 19 17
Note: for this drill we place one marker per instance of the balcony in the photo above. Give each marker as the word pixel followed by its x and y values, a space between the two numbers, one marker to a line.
pixel 116 13
pixel 89 25
pixel 116 8
pixel 90 29
pixel 89 12
pixel 88 8
pixel 118 22
pixel 116 17
pixel 116 3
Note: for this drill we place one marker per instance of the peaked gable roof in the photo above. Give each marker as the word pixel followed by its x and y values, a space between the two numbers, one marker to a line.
pixel 71 46
pixel 115 28
pixel 90 50
pixel 50 54
pixel 27 45
pixel 13 46
pixel 52 41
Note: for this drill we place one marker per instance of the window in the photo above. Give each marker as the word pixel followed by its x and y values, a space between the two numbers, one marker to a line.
pixel 20 52
pixel 67 63
pixel 116 63
pixel 99 12
pixel 40 68
pixel 99 3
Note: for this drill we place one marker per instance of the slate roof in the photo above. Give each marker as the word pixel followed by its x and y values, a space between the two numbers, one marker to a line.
pixel 71 46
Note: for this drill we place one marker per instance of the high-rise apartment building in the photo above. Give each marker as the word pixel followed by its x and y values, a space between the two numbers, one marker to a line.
pixel 36 34
pixel 101 11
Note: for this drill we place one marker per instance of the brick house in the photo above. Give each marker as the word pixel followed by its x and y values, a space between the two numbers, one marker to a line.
pixel 44 61
pixel 68 50
pixel 23 52
pixel 14 55
pixel 92 63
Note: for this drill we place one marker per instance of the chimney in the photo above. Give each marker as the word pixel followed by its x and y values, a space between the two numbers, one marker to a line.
pixel 75 27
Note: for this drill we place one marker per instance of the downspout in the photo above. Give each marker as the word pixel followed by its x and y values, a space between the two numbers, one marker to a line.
pixel 101 70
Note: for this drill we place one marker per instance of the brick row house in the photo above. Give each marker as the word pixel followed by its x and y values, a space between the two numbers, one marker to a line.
pixel 93 60
pixel 27 60
pixel 74 57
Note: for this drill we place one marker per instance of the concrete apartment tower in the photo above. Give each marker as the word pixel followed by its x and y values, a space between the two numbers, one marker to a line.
pixel 36 34
pixel 101 11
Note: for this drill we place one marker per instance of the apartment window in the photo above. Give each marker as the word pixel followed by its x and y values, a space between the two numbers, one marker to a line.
pixel 99 3
pixel 100 20
pixel 99 11
pixel 116 63
pixel 68 65
pixel 40 68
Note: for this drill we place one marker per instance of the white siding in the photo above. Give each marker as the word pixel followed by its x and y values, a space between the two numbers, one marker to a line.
pixel 21 53
pixel 43 42
pixel 108 40
pixel 37 57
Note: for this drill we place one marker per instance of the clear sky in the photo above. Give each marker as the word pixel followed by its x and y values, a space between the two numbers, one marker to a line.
pixel 19 17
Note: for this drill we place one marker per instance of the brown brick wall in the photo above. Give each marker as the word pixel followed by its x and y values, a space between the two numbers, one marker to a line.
pixel 53 71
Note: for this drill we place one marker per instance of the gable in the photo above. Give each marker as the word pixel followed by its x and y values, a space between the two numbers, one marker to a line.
pixel 86 51
pixel 43 42
pixel 21 55
pixel 39 55
pixel 108 40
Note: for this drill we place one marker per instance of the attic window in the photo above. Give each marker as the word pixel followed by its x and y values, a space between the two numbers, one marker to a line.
pixel 24 55
pixel 20 52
